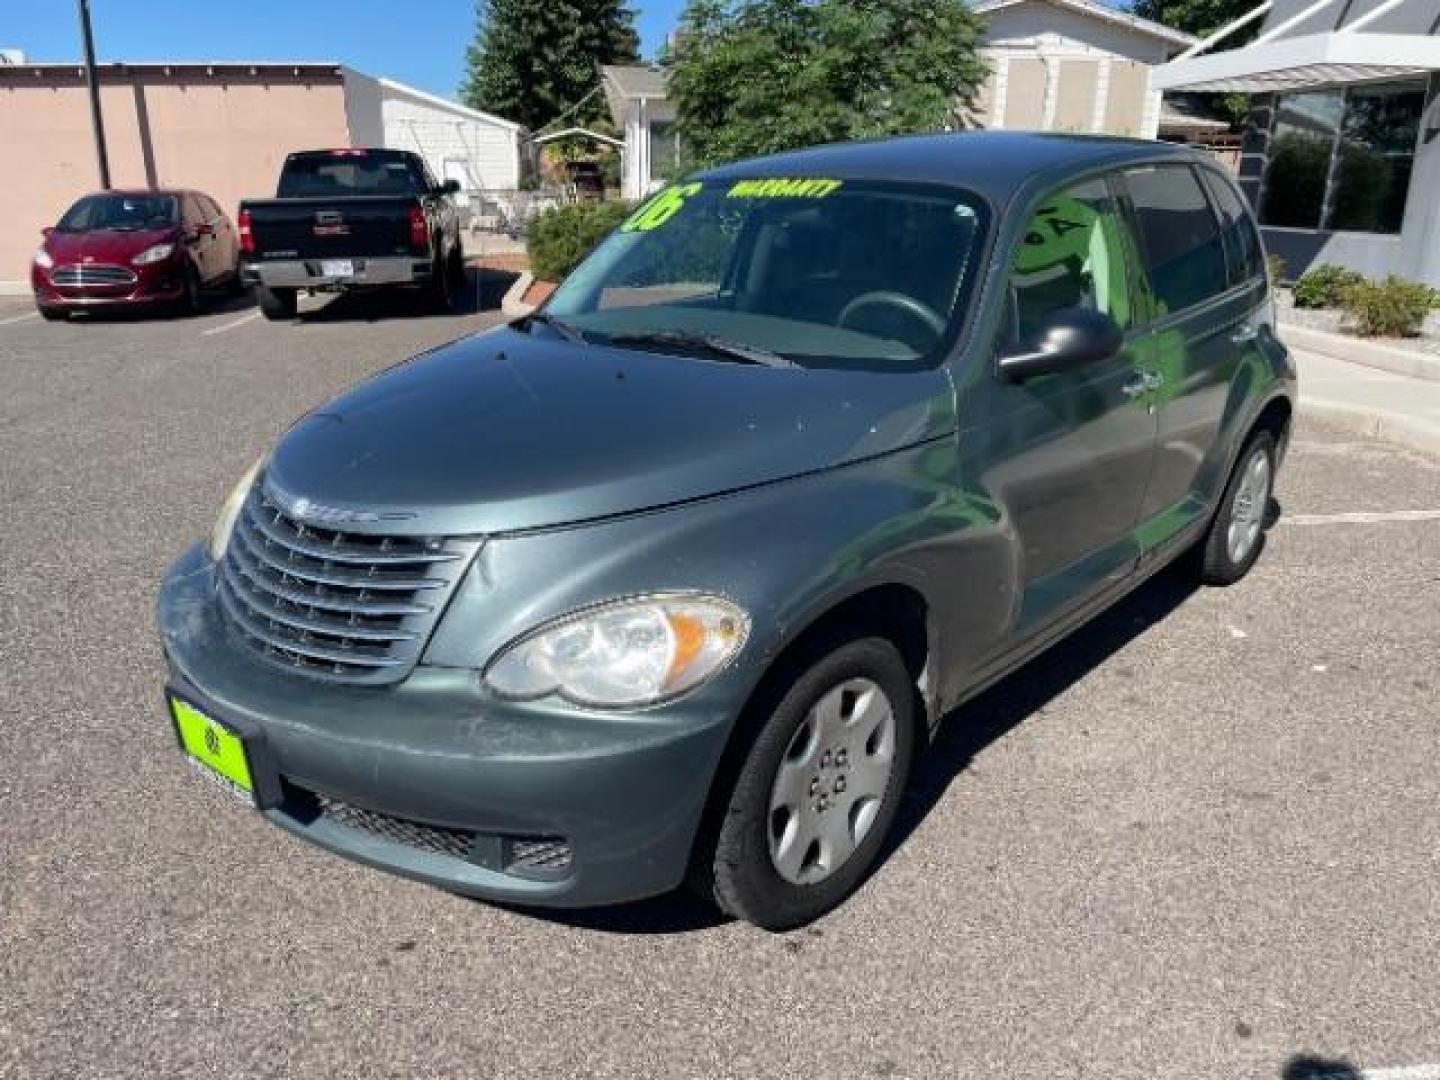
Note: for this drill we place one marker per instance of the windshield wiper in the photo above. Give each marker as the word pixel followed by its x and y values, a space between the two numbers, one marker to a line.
pixel 564 329
pixel 685 339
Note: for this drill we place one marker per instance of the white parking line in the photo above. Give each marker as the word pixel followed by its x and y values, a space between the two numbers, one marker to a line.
pixel 251 317
pixel 20 318
pixel 1405 1072
pixel 1360 517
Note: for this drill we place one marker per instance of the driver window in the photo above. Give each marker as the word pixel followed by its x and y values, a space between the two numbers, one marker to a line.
pixel 1072 254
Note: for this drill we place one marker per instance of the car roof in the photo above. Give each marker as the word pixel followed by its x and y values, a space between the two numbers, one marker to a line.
pixel 993 163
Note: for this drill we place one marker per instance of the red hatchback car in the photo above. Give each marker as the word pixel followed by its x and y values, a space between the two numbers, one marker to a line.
pixel 117 249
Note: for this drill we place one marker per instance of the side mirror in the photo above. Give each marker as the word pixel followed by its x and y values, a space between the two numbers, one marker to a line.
pixel 1069 338
pixel 450 187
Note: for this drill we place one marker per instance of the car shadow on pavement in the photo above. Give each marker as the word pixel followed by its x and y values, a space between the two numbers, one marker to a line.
pixel 484 289
pixel 1310 1067
pixel 963 734
pixel 213 303
pixel 972 727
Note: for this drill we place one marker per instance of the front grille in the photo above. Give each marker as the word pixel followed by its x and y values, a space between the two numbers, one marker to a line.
pixel 92 275
pixel 344 606
pixel 433 838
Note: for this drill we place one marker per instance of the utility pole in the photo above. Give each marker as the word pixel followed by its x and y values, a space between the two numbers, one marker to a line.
pixel 97 122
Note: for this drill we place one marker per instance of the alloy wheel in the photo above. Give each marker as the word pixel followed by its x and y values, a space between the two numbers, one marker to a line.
pixel 1247 511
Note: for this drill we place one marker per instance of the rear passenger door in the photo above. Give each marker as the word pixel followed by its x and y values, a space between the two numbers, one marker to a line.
pixel 1198 307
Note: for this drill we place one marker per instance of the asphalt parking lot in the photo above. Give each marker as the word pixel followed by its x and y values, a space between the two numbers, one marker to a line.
pixel 1200 839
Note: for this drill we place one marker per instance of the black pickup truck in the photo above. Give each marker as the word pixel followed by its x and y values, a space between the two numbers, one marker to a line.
pixel 351 219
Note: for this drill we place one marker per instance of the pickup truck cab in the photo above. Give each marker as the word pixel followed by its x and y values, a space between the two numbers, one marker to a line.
pixel 673 578
pixel 351 219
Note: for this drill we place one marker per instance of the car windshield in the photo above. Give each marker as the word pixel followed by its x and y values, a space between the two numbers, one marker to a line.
pixel 347 172
pixel 120 213
pixel 799 270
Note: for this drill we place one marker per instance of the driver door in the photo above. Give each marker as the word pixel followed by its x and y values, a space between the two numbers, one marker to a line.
pixel 1066 455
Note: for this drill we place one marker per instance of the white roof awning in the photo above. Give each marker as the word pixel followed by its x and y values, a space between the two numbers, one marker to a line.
pixel 1293 63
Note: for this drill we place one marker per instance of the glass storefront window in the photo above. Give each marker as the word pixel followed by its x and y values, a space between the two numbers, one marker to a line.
pixel 1341 159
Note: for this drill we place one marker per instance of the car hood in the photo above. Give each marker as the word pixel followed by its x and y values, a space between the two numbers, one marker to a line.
pixel 103 246
pixel 507 430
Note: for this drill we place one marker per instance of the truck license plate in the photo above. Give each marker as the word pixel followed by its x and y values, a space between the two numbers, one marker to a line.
pixel 337 268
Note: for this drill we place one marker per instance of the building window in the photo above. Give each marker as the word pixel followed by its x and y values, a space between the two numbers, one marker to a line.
pixel 1341 159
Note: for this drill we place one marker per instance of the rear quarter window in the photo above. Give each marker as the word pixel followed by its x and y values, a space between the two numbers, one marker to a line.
pixel 1179 236
pixel 1244 257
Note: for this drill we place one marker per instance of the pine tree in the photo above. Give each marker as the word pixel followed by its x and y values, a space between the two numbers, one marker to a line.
pixel 533 59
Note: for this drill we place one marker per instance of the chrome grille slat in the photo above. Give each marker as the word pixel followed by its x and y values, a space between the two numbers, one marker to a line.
pixel 268 636
pixel 264 608
pixel 271 580
pixel 269 522
pixel 349 619
pixel 305 572
pixel 92 275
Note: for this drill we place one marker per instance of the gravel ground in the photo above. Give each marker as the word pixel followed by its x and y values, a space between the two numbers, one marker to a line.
pixel 1199 839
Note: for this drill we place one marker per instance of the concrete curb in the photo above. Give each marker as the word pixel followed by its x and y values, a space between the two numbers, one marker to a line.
pixel 1366 420
pixel 1355 350
pixel 514 303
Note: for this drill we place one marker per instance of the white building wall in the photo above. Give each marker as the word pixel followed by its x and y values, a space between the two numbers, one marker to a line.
pixel 1051 33
pixel 483 153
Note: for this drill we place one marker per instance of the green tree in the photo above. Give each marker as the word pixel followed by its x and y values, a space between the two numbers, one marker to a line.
pixel 534 59
pixel 757 76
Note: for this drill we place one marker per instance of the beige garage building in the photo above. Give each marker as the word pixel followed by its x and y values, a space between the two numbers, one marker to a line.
pixel 221 128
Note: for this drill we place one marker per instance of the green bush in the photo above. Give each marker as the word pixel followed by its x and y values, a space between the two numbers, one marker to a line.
pixel 559 239
pixel 1393 308
pixel 1275 266
pixel 1325 286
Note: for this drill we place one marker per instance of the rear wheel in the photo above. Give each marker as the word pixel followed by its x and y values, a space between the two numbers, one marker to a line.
pixel 818 789
pixel 1237 532
pixel 446 282
pixel 276 304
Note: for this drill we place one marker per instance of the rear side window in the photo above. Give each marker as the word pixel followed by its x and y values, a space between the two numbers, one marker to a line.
pixel 1179 235
pixel 1243 256
pixel 1075 252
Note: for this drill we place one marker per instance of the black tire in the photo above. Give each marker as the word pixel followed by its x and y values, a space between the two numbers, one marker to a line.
pixel 443 290
pixel 51 314
pixel 191 299
pixel 236 285
pixel 277 305
pixel 734 866
pixel 1213 560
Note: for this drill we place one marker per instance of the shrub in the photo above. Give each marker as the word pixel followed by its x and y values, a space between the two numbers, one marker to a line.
pixel 1325 286
pixel 559 239
pixel 1393 308
pixel 1275 266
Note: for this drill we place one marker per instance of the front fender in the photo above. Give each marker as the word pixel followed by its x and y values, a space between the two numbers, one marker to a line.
pixel 785 552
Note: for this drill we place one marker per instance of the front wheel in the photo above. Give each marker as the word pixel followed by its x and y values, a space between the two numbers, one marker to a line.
pixel 818 791
pixel 276 304
pixel 190 295
pixel 1236 535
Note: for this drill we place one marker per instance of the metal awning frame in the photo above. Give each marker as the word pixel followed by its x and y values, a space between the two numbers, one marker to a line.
pixel 1335 57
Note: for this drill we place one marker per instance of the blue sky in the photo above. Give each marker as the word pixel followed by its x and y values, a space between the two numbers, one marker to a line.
pixel 421 43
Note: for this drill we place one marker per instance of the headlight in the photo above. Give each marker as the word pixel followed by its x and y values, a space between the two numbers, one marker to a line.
pixel 230 511
pixel 153 254
pixel 43 259
pixel 630 652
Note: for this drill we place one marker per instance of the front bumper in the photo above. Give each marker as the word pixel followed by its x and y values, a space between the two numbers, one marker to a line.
pixel 310 273
pixel 624 793
pixel 157 284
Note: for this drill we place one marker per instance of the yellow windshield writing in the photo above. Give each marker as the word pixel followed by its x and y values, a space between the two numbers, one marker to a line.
pixel 782 187
pixel 660 209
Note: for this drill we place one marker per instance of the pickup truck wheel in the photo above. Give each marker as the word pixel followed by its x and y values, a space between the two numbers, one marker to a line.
pixel 1237 533
pixel 276 304
pixel 443 290
pixel 190 298
pixel 818 790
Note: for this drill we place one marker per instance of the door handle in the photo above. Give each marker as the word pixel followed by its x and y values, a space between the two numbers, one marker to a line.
pixel 1245 335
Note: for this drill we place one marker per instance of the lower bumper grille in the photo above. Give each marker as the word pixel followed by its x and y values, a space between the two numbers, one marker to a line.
pixel 453 842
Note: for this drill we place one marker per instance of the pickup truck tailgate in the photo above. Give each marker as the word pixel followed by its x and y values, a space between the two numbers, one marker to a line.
pixel 318 228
